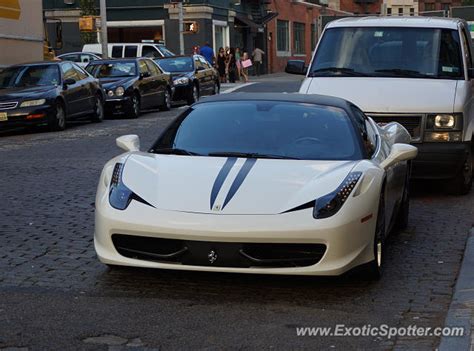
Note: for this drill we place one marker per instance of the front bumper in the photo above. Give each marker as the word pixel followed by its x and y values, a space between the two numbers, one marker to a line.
pixel 116 105
pixel 439 160
pixel 182 92
pixel 26 116
pixel 348 242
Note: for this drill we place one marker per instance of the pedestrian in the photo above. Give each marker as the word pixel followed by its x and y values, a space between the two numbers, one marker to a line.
pixel 196 50
pixel 221 65
pixel 208 53
pixel 237 62
pixel 257 55
pixel 246 63
pixel 231 65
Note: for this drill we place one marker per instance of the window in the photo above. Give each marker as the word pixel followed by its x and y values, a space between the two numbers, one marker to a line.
pixel 204 62
pixel 152 68
pixel 298 38
pixel 131 51
pixel 221 34
pixel 117 51
pixel 389 11
pixel 143 67
pixel 69 72
pixel 400 11
pixel 150 51
pixel 412 11
pixel 72 58
pixel 85 58
pixel 429 6
pixel 80 73
pixel 314 36
pixel 283 37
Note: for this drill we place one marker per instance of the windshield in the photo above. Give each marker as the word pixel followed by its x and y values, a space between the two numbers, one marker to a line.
pixel 22 76
pixel 389 52
pixel 269 129
pixel 164 50
pixel 113 69
pixel 177 64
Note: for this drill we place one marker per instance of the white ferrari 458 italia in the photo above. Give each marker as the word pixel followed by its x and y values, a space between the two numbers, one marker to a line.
pixel 266 183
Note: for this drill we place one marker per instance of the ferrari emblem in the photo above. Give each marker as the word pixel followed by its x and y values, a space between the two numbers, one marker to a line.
pixel 212 256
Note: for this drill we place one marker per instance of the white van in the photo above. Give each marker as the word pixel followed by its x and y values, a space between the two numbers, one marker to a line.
pixel 122 50
pixel 417 71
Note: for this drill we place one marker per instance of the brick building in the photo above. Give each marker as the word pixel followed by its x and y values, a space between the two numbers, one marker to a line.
pixel 293 34
pixel 437 5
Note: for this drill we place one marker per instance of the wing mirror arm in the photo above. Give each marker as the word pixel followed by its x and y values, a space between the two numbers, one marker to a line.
pixel 399 153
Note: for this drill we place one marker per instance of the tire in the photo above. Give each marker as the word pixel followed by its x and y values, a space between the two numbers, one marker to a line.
pixel 403 211
pixel 462 183
pixel 375 268
pixel 167 103
pixel 135 107
pixel 58 121
pixel 98 115
pixel 194 95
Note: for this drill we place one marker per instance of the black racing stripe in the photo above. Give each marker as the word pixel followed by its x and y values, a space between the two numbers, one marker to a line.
pixel 223 173
pixel 239 179
pixel 310 204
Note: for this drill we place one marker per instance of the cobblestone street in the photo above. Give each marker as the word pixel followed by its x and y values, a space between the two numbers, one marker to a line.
pixel 55 294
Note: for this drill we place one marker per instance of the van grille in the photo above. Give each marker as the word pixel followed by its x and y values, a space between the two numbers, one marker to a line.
pixel 412 123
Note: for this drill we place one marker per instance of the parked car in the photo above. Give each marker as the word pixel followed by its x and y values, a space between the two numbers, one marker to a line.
pixel 257 183
pixel 126 50
pixel 192 77
pixel 417 71
pixel 80 58
pixel 48 93
pixel 132 84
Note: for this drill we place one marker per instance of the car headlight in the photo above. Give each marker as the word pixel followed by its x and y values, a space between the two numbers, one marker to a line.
pixel 328 205
pixel 31 103
pixel 119 91
pixel 443 127
pixel 110 93
pixel 180 81
pixel 120 195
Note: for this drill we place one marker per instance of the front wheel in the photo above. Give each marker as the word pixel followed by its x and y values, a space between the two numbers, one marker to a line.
pixel 166 106
pixel 375 267
pixel 462 183
pixel 194 95
pixel 98 115
pixel 58 122
pixel 134 111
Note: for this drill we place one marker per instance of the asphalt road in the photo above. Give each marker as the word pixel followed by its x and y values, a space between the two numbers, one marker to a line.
pixel 55 295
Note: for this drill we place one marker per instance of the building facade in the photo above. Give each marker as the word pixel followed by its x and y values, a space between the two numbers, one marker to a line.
pixel 437 5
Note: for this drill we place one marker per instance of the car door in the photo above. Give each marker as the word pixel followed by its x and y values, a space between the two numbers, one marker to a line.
pixel 159 82
pixel 201 76
pixel 146 84
pixel 73 93
pixel 88 89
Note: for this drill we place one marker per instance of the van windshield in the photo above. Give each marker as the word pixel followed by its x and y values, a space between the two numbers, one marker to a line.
pixel 389 52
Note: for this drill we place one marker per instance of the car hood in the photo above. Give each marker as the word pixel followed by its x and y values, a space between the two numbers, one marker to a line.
pixel 109 83
pixel 221 185
pixel 388 95
pixel 181 74
pixel 30 93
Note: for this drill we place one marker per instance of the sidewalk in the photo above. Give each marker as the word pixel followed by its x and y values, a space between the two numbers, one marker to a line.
pixel 461 310
pixel 280 76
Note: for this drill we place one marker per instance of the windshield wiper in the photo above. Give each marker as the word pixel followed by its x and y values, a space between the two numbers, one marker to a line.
pixel 343 70
pixel 250 155
pixel 175 151
pixel 404 72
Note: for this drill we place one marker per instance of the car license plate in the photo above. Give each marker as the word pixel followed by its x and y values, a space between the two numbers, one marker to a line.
pixel 3 116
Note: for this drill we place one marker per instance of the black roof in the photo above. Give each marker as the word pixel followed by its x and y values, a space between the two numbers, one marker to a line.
pixel 37 63
pixel 123 59
pixel 298 98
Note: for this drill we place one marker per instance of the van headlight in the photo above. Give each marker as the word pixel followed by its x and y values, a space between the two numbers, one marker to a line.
pixel 444 127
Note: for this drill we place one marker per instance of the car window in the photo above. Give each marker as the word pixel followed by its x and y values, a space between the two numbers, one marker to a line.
pixel 131 51
pixel 176 64
pixel 37 75
pixel 198 63
pixel 150 51
pixel 362 123
pixel 86 58
pixel 69 72
pixel 152 68
pixel 164 51
pixel 142 67
pixel 113 69
pixel 279 128
pixel 73 58
pixel 117 51
pixel 204 62
pixel 80 73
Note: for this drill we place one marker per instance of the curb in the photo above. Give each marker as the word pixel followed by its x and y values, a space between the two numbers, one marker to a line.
pixel 461 310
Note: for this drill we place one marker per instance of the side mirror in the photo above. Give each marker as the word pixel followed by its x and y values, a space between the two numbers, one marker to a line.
pixel 398 153
pixel 470 73
pixel 296 67
pixel 69 81
pixel 129 142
